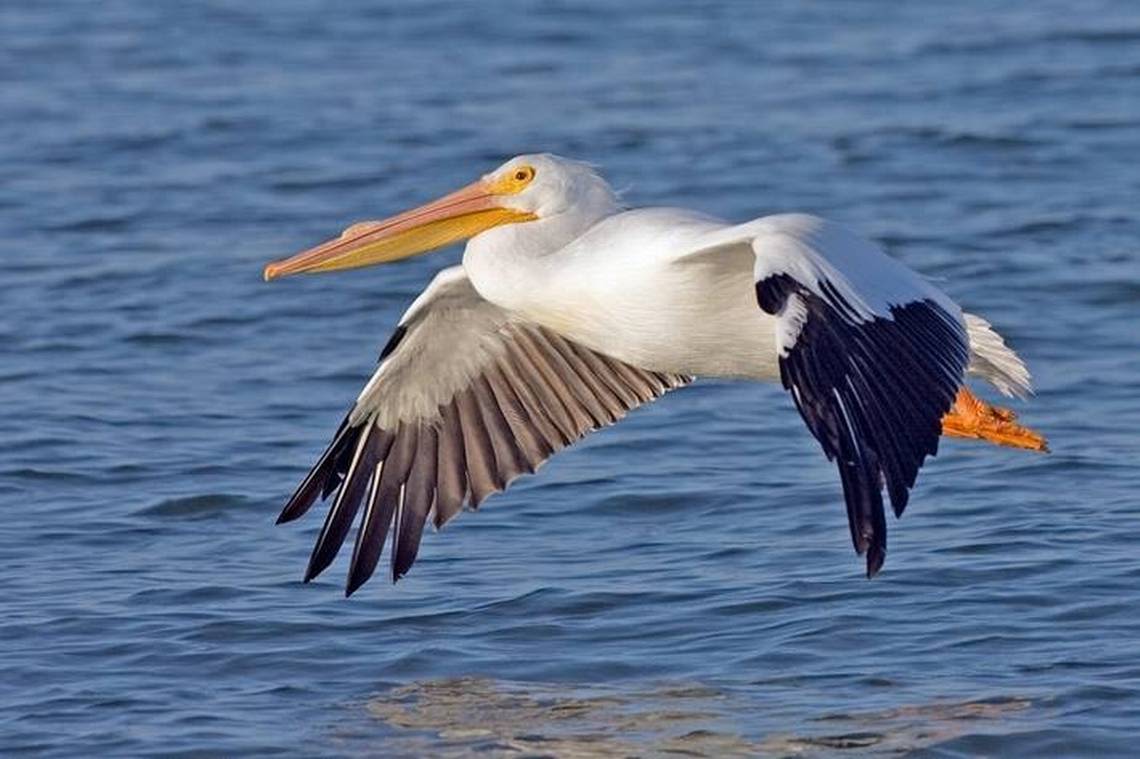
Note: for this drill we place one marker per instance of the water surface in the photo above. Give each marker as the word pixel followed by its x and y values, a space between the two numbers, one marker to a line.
pixel 683 582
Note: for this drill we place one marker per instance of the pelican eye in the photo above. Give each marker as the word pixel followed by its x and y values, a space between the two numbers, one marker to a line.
pixel 512 182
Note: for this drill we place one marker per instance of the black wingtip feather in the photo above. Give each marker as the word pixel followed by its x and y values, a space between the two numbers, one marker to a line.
pixel 872 392
pixel 344 508
pixel 393 341
pixel 383 501
pixel 876 555
pixel 324 471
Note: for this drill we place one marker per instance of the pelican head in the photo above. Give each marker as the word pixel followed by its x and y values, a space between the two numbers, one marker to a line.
pixel 528 188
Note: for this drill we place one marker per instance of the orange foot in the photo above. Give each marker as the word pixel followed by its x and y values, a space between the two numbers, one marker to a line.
pixel 972 417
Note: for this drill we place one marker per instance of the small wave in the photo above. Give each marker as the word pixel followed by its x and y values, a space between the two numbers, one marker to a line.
pixel 975 139
pixel 863 146
pixel 159 338
pixel 1048 225
pixel 305 184
pixel 1006 43
pixel 521 601
pixel 94 224
pixel 652 505
pixel 197 506
pixel 1099 124
pixel 1094 35
pixel 47 475
pixel 222 321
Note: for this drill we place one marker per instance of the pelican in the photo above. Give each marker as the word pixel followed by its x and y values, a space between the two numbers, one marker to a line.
pixel 570 310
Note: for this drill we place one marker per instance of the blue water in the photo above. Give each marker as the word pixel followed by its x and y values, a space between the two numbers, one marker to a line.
pixel 681 582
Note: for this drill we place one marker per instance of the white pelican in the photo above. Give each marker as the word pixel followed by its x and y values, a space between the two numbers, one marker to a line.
pixel 568 311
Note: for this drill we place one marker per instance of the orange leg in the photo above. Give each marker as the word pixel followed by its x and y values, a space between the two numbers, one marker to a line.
pixel 971 417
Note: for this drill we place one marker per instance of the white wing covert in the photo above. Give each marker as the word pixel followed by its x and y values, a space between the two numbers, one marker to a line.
pixel 466 398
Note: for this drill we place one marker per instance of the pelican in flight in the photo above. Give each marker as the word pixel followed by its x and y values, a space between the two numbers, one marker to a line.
pixel 569 310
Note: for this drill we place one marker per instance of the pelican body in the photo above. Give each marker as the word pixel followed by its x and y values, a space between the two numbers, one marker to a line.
pixel 568 311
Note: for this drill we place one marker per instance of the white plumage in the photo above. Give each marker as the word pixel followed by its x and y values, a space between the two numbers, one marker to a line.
pixel 568 311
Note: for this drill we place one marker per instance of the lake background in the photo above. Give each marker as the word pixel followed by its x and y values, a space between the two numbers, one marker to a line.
pixel 681 582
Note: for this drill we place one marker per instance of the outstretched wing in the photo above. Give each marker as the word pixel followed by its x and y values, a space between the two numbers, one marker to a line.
pixel 466 398
pixel 872 354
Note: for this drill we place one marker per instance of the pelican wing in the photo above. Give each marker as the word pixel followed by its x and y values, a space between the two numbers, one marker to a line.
pixel 466 397
pixel 872 354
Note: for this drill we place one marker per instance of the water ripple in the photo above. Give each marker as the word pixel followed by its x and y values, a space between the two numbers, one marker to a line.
pixel 682 583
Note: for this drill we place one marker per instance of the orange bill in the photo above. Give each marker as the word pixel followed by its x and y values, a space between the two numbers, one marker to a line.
pixel 462 214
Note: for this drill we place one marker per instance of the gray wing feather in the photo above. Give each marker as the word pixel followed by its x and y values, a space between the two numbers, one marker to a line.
pixel 496 397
